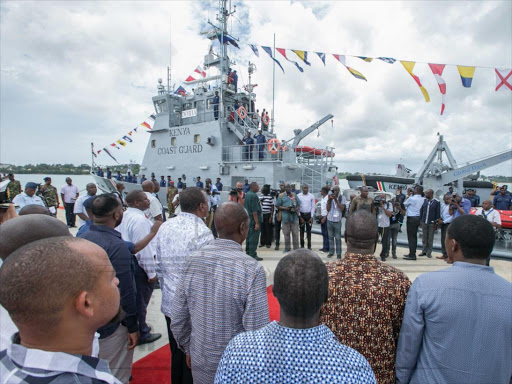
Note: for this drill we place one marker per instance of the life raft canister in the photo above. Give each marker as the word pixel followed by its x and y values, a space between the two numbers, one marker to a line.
pixel 242 113
pixel 273 146
pixel 265 119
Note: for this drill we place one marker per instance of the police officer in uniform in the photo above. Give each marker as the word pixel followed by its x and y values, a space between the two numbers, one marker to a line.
pixel 50 195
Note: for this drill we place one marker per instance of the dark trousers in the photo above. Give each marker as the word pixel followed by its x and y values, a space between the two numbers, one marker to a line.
pixel 305 225
pixel 180 372
pixel 216 111
pixel 393 234
pixel 144 292
pixel 266 230
pixel 427 238
pixel 70 216
pixel 251 243
pixel 413 224
pixel 261 148
pixel 384 232
pixel 444 228
pixel 325 236
pixel 277 231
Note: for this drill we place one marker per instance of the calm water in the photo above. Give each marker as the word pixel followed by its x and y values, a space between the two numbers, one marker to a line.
pixel 58 181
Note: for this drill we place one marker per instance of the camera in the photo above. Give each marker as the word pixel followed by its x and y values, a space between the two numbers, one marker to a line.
pixel 274 192
pixel 233 192
pixel 377 200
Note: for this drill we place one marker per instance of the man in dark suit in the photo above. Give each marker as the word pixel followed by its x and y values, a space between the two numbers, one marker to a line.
pixel 430 213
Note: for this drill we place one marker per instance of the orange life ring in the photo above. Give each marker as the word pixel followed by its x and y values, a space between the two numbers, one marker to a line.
pixel 242 113
pixel 265 119
pixel 273 146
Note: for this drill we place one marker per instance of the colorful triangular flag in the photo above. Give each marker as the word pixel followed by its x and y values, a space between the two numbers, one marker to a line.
pixel 367 59
pixel 409 66
pixel 437 70
pixel 282 51
pixel 255 49
pixel 114 145
pixel 108 153
pixel 466 75
pixel 355 73
pixel 321 55
pixel 121 142
pixel 269 52
pixel 127 138
pixel 388 60
pixel 303 55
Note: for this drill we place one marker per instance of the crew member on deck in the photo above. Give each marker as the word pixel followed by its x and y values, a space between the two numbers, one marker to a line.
pixel 216 101
pixel 260 140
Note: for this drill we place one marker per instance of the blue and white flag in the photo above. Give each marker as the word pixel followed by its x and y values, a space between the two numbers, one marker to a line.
pixel 388 60
pixel 321 56
pixel 269 51
pixel 255 49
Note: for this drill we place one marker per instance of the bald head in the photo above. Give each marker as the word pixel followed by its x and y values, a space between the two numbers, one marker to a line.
pixel 361 230
pixel 34 209
pixel 148 186
pixel 134 196
pixel 39 280
pixel 228 218
pixel 23 230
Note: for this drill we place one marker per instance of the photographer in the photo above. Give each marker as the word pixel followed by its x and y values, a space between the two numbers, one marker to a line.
pixel 213 200
pixel 289 206
pixel 237 194
pixel 384 213
pixel 460 205
pixel 395 222
pixel 277 217
pixel 335 209
pixel 447 210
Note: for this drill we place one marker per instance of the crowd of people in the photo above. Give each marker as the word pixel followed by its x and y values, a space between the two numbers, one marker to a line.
pixel 73 309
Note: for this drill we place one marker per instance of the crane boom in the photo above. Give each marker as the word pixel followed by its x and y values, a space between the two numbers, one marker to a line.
pixel 299 135
pixel 466 170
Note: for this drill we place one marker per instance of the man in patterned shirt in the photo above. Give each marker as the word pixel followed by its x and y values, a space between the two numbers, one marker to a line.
pixel 76 294
pixel 222 292
pixel 297 349
pixel 176 240
pixel 367 298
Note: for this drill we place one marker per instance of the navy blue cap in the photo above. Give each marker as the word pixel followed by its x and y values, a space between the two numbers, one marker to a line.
pixel 88 202
pixel 31 185
pixel 47 178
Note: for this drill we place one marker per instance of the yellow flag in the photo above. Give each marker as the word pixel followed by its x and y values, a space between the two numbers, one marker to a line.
pixel 303 55
pixel 121 142
pixel 409 66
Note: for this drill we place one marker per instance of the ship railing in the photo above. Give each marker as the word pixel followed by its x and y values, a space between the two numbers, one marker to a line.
pixel 176 119
pixel 314 178
pixel 250 153
pixel 247 123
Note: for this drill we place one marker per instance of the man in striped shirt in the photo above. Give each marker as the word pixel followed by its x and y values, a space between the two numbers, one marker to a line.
pixel 221 293
pixel 267 209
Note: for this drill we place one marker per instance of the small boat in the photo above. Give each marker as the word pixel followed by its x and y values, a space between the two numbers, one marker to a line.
pixel 315 151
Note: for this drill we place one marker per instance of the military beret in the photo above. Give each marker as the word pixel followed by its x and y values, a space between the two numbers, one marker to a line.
pixel 31 185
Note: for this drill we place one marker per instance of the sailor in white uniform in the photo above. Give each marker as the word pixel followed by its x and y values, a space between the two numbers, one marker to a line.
pixel 28 197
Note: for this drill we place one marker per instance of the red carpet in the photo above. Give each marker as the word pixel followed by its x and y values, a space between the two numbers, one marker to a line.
pixel 155 368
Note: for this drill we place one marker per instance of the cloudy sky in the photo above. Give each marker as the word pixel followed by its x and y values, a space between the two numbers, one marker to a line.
pixel 75 72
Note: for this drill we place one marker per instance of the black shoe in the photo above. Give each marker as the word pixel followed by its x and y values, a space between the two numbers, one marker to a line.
pixel 423 254
pixel 382 258
pixel 261 245
pixel 268 246
pixel 258 258
pixel 429 256
pixel 394 256
pixel 309 248
pixel 286 250
pixel 409 257
pixel 151 338
pixel 330 255
pixel 277 248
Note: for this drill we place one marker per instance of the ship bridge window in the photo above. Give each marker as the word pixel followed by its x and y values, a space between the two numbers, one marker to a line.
pixel 187 106
pixel 161 106
pixel 173 141
pixel 199 104
pixel 153 143
pixel 197 139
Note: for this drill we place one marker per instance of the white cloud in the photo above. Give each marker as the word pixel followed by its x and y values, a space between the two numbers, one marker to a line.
pixel 75 72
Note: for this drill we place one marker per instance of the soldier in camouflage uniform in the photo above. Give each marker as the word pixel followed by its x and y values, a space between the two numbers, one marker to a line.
pixel 13 188
pixel 49 194
pixel 172 191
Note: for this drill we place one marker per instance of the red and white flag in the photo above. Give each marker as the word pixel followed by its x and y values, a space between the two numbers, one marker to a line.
pixel 437 70
pixel 196 75
pixel 503 79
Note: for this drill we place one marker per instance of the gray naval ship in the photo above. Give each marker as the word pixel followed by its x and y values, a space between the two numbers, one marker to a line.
pixel 194 136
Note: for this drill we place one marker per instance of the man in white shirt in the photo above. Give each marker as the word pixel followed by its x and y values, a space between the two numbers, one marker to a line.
pixel 134 227
pixel 154 211
pixel 28 197
pixel 323 219
pixel 69 194
pixel 213 202
pixel 413 206
pixel 79 209
pixel 445 221
pixel 383 222
pixel 307 212
pixel 176 240
pixel 492 216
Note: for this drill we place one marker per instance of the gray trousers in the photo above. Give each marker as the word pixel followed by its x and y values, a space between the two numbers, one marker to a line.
pixel 292 227
pixel 394 229
pixel 334 230
pixel 114 349
pixel 428 238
